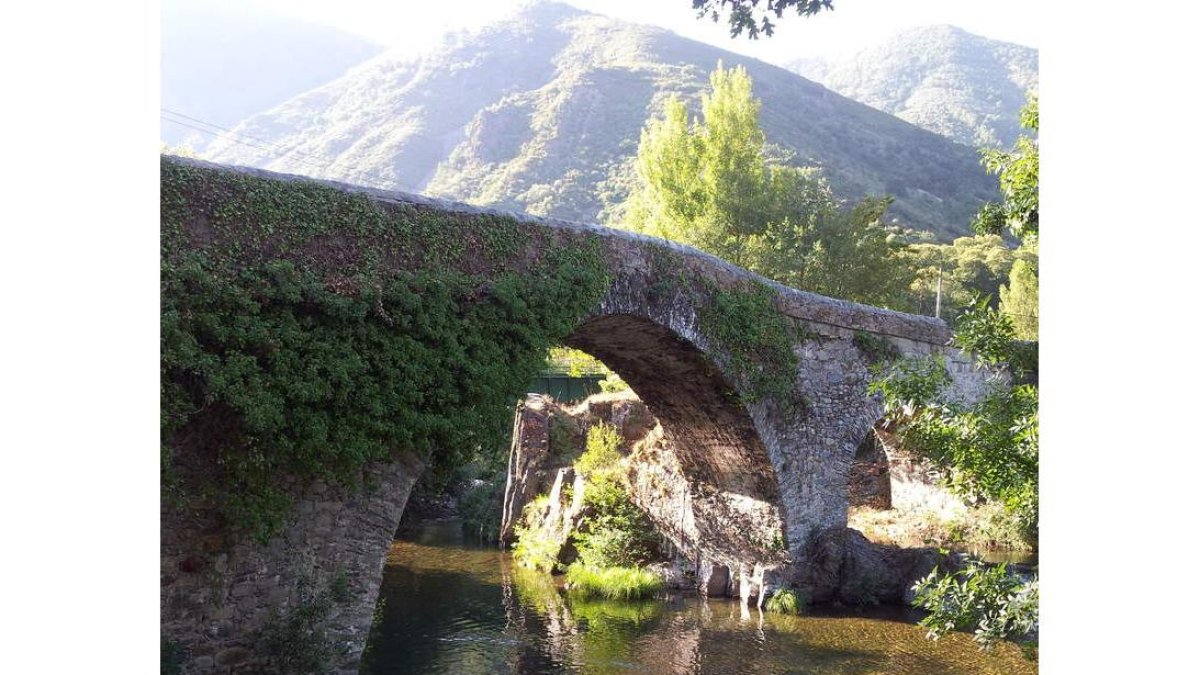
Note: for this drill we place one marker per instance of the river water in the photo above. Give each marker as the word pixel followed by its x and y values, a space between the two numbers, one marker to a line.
pixel 452 608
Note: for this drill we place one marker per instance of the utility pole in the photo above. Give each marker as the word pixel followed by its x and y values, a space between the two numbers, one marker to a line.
pixel 937 303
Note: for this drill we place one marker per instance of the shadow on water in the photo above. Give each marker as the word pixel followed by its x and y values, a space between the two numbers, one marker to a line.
pixel 450 607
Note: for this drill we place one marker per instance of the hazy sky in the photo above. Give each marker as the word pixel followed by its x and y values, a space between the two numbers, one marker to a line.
pixel 852 24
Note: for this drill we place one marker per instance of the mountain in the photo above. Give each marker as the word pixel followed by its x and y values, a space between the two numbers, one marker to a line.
pixel 223 61
pixel 941 78
pixel 543 113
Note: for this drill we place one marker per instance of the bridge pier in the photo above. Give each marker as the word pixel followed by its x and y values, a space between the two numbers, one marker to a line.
pixel 224 597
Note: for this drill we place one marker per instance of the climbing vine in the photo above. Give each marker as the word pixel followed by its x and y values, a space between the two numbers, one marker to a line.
pixel 307 332
pixel 746 324
pixel 876 348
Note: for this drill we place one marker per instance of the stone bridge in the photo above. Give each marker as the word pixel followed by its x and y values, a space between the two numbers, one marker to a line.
pixel 764 436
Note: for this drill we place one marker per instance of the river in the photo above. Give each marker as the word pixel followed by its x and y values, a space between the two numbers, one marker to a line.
pixel 452 608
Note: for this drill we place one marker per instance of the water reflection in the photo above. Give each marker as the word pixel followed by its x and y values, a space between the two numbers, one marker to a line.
pixel 457 609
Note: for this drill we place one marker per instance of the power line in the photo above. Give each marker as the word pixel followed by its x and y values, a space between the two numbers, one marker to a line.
pixel 276 149
pixel 241 134
pixel 240 141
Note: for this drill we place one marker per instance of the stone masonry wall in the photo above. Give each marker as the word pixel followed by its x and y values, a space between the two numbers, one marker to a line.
pixel 218 592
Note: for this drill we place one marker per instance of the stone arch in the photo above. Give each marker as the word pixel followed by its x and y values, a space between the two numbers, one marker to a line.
pixel 733 500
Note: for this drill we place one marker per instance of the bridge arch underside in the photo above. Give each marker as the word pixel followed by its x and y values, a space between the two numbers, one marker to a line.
pixel 733 512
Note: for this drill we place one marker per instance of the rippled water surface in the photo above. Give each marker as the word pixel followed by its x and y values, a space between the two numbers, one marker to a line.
pixel 455 609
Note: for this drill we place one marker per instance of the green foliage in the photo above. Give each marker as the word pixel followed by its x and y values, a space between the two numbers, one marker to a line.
pixel 757 337
pixel 1019 300
pixel 706 186
pixel 988 450
pixel 785 601
pixel 989 335
pixel 480 510
pixel 614 583
pixel 612 384
pixel 536 547
pixel 614 532
pixel 986 599
pixel 574 362
pixel 712 185
pixel 969 268
pixel 746 16
pixel 985 332
pixel 876 348
pixel 601 457
pixel 1018 172
pixel 291 351
pixel 909 384
pixel 849 254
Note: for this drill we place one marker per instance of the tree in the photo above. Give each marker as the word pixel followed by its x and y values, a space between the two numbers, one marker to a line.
pixel 707 184
pixel 968 268
pixel 715 184
pixel 856 256
pixel 1019 300
pixel 747 16
pixel 1018 172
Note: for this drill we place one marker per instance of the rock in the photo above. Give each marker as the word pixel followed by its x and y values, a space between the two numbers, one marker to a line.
pixel 843 567
pixel 714 579
pixel 233 656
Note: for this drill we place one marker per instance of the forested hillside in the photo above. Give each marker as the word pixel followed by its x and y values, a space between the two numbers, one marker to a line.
pixel 543 113
pixel 941 78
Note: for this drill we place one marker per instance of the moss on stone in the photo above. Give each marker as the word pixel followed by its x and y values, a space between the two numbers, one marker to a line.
pixel 746 325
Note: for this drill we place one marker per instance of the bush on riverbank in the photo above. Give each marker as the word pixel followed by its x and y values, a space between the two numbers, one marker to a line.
pixel 536 547
pixel 995 603
pixel 610 531
pixel 614 532
pixel 785 601
pixel 613 583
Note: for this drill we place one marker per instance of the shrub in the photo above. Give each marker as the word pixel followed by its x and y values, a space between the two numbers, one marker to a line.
pixel 785 601
pixel 536 548
pixel 989 450
pixel 614 532
pixel 601 456
pixel 612 384
pixel 987 599
pixel 985 332
pixel 614 583
pixel 480 509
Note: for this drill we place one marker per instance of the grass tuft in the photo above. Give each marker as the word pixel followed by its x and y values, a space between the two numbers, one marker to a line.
pixel 613 583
